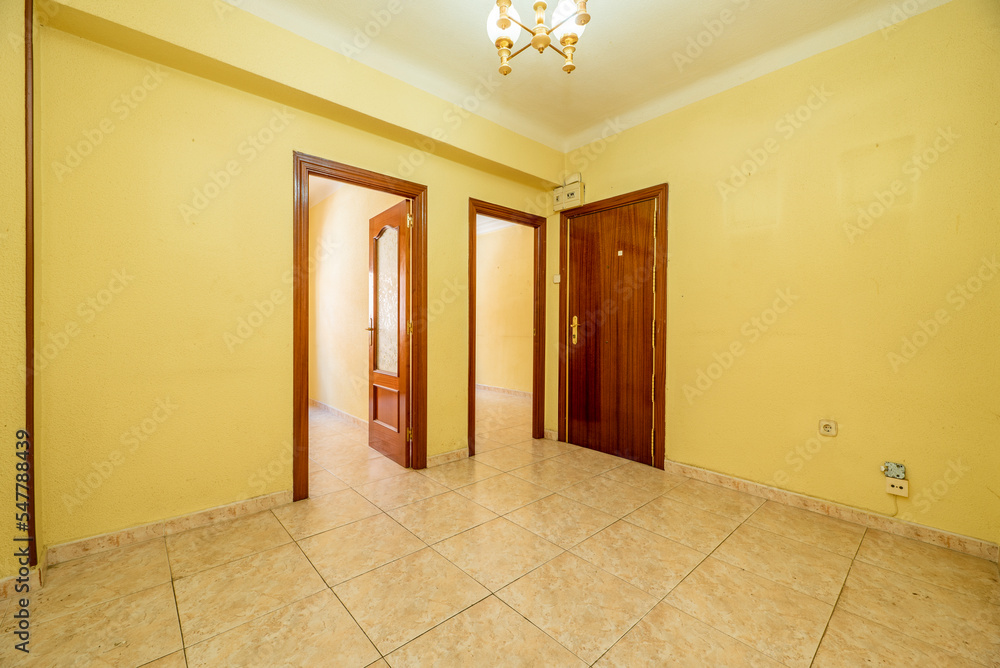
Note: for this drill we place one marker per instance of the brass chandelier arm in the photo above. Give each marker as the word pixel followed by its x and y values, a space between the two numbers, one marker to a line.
pixel 526 28
pixel 554 48
pixel 521 50
pixel 568 18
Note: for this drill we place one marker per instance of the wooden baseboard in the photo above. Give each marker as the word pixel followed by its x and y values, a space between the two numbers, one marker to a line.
pixel 80 548
pixel 503 390
pixel 346 417
pixel 551 434
pixel 8 586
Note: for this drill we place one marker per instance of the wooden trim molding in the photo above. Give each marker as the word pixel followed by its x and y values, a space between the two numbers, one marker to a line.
pixel 659 193
pixel 304 166
pixel 29 267
pixel 476 208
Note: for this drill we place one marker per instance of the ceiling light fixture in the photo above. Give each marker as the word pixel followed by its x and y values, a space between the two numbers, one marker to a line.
pixel 568 23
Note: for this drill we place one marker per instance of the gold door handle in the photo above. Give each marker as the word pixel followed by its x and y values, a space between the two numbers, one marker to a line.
pixel 370 329
pixel 574 326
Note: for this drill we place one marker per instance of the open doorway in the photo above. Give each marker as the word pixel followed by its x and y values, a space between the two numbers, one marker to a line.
pixel 359 349
pixel 506 326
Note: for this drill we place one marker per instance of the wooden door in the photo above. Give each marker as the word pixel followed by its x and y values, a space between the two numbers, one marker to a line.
pixel 389 341
pixel 609 361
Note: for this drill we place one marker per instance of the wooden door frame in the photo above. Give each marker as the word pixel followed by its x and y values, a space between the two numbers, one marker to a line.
pixel 29 274
pixel 476 208
pixel 308 165
pixel 659 193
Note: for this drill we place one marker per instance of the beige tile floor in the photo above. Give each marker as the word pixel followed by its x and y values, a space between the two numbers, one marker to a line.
pixel 533 553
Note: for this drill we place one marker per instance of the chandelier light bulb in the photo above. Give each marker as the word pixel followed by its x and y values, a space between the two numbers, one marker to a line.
pixel 512 32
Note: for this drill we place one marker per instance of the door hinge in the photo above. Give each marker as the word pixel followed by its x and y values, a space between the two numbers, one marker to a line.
pixel 409 327
pixel 409 220
pixel 409 434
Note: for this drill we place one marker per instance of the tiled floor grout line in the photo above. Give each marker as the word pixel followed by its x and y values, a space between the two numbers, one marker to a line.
pixel 839 594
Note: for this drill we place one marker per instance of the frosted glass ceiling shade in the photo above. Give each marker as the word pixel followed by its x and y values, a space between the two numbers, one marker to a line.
pixel 512 33
pixel 564 10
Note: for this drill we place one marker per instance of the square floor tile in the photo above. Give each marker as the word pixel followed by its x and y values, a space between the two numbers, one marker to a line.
pixel 128 631
pixel 645 477
pixel 215 544
pixel 562 521
pixel 348 551
pixel 498 552
pixel 461 473
pixel 400 490
pixel 642 558
pixel 216 600
pixel 669 637
pixel 771 618
pixel 612 497
pixel 853 641
pixel 591 461
pixel 685 524
pixel 715 499
pixel 543 448
pixel 586 609
pixel 323 482
pixel 809 527
pixel 401 600
pixel 552 474
pixel 487 634
pixel 359 473
pixel 175 660
pixel 312 516
pixel 806 569
pixel 959 623
pixel 314 631
pixel 506 459
pixel 930 563
pixel 442 516
pixel 503 493
pixel 97 578
pixel 511 435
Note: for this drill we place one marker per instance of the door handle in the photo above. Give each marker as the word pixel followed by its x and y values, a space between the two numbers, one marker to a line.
pixel 370 329
pixel 574 326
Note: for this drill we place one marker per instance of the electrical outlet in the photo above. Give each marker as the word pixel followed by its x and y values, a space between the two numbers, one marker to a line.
pixel 828 427
pixel 897 487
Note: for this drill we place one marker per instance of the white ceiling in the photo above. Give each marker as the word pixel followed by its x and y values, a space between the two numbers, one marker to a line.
pixel 321 188
pixel 626 70
pixel 485 224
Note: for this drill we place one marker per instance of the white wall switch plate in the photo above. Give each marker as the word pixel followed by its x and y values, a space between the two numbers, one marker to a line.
pixel 557 278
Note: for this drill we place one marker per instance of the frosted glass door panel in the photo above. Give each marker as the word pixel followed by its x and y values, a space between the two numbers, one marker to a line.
pixel 387 301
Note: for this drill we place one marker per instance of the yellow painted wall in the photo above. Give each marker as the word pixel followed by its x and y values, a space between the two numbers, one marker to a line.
pixel 864 290
pixel 174 393
pixel 504 314
pixel 12 343
pixel 338 297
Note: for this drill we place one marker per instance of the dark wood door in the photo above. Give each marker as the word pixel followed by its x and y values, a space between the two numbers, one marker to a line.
pixel 389 341
pixel 609 363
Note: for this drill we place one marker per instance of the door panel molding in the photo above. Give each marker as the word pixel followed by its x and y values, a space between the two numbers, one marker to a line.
pixel 659 194
pixel 305 165
pixel 477 207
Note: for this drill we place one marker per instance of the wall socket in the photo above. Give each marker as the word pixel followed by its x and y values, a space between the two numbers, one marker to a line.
pixel 897 487
pixel 828 427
